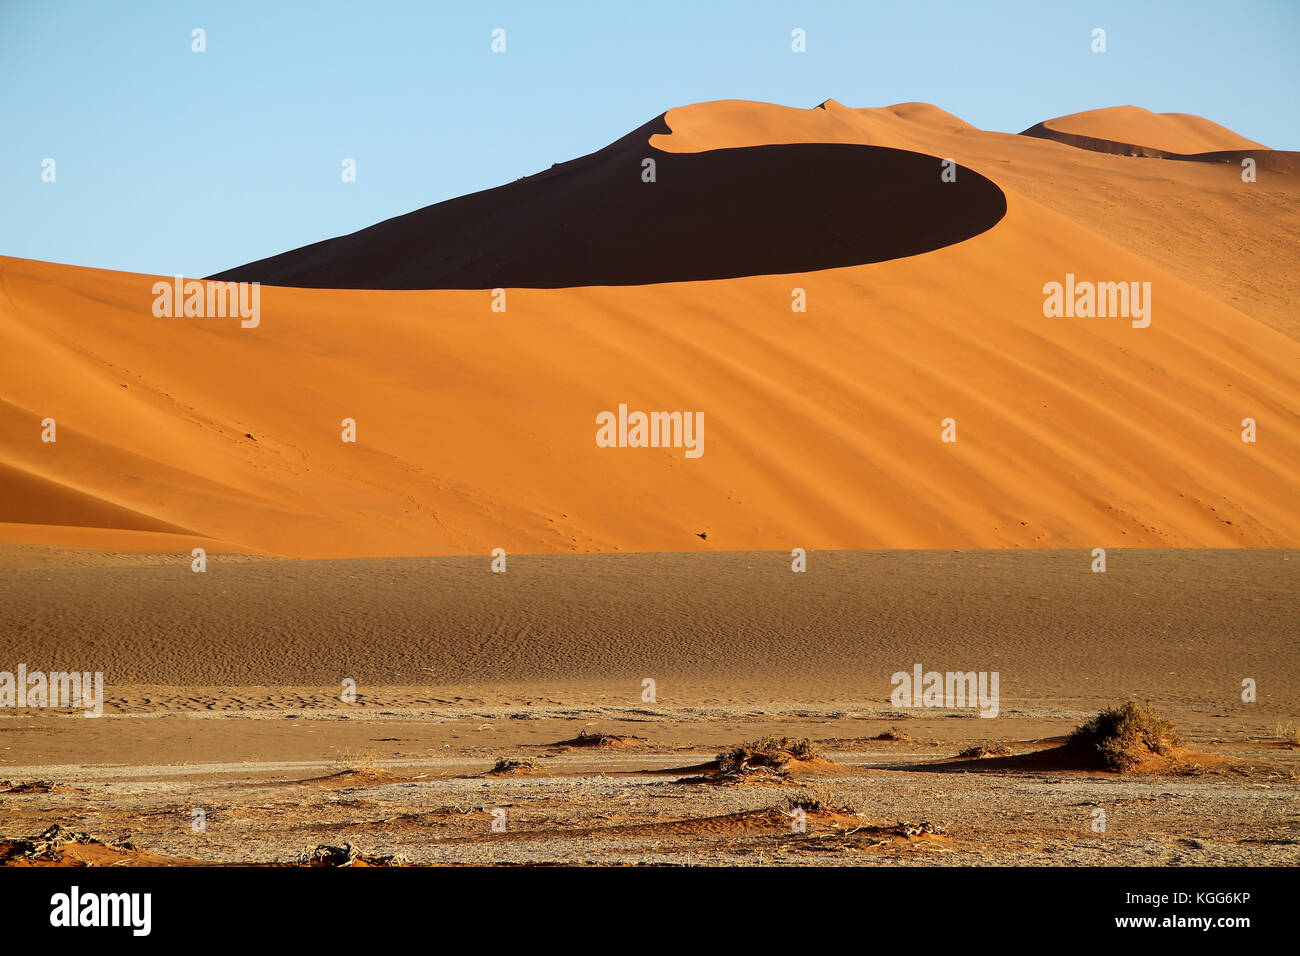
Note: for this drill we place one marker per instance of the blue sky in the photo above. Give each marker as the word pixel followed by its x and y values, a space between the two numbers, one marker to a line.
pixel 173 161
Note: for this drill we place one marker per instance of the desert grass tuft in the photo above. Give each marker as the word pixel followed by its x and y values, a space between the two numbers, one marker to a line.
pixel 363 762
pixel 1286 734
pixel 820 800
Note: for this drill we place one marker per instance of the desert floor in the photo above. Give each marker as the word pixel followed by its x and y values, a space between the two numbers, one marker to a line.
pixel 224 693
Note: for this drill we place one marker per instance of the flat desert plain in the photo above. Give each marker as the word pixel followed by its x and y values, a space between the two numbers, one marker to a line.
pixel 224 693
pixel 687 659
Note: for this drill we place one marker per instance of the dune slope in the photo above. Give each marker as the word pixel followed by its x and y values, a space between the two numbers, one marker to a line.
pixel 476 428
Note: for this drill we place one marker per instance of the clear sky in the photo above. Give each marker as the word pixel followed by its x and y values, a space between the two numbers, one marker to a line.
pixel 167 160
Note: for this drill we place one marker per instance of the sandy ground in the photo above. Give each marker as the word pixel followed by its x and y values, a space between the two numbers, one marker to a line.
pixel 224 694
pixel 718 628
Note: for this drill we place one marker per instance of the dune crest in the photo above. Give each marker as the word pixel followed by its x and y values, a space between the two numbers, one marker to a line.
pixel 631 214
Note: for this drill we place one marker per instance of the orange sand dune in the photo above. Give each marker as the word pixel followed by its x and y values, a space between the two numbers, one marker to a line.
pixel 1177 133
pixel 1180 216
pixel 476 429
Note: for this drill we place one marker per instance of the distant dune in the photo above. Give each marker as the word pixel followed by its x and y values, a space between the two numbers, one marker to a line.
pixel 1135 131
pixel 476 427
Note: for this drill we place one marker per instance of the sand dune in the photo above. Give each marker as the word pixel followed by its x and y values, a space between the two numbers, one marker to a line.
pixel 1131 129
pixel 476 428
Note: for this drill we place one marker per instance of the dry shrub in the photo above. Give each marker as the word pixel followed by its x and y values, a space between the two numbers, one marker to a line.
pixel 1125 736
pixel 986 750
pixel 513 765
pixel 893 733
pixel 767 754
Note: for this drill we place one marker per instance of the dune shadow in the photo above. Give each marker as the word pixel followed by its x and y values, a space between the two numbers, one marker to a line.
pixel 1051 760
pixel 719 214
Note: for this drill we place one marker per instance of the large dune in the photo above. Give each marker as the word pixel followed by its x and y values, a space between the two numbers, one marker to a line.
pixel 476 428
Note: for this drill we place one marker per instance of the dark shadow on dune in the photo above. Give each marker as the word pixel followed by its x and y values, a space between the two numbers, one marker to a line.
pixel 713 215
pixel 1052 760
pixel 1271 160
